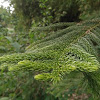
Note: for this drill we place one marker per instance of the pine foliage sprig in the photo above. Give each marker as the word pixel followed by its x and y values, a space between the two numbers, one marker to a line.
pixel 65 51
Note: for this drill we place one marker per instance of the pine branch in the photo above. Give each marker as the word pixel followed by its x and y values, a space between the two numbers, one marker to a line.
pixel 65 51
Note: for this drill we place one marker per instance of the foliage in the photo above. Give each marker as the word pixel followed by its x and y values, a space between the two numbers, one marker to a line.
pixel 44 12
pixel 21 86
pixel 70 49
pixel 4 17
pixel 9 39
pixel 61 61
